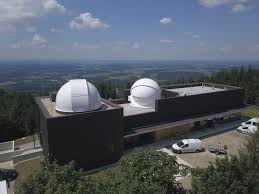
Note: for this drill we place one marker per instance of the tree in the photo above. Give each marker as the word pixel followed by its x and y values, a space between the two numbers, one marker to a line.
pixel 149 171
pixel 55 179
pixel 17 115
pixel 238 174
pixel 143 172
pixel 106 90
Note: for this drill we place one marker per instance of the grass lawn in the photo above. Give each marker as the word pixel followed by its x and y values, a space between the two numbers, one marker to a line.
pixel 24 140
pixel 25 169
pixel 251 113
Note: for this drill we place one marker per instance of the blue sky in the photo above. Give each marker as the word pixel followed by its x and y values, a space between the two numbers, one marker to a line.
pixel 129 29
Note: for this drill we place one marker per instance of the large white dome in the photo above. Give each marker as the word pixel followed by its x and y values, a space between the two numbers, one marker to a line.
pixel 78 95
pixel 144 93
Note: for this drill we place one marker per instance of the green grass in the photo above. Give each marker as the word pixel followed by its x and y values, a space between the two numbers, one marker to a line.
pixel 23 140
pixel 25 169
pixel 250 113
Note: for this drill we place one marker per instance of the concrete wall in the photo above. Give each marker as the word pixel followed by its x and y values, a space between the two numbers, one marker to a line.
pixel 7 146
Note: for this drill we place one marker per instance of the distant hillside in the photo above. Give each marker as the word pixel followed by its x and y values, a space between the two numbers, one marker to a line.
pixel 41 76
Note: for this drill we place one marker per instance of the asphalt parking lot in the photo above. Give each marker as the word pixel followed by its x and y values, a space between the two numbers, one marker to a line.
pixel 232 139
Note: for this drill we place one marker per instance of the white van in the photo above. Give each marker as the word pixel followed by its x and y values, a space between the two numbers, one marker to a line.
pixel 253 122
pixel 249 127
pixel 187 145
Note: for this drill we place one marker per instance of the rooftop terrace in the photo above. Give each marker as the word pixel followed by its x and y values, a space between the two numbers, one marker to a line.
pixel 50 107
pixel 186 91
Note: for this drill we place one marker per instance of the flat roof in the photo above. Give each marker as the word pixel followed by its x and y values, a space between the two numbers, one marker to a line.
pixel 50 107
pixel 186 91
pixel 159 126
pixel 129 110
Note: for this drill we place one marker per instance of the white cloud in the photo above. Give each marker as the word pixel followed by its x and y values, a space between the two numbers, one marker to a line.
pixel 136 45
pixel 257 46
pixel 85 20
pixel 166 41
pixel 53 5
pixel 14 13
pixel 38 41
pixel 196 36
pixel 55 30
pixel 215 3
pixel 240 8
pixel 166 20
pixel 30 29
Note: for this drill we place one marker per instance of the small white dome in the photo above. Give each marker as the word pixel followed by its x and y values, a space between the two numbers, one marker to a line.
pixel 144 93
pixel 78 95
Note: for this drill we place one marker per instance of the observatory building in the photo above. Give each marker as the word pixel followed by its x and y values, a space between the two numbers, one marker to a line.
pixel 76 124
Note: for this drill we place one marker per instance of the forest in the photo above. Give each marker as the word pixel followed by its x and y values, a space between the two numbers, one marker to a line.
pixel 17 115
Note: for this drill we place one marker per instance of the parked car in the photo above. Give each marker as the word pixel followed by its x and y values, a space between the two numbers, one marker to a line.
pixel 8 174
pixel 187 145
pixel 249 129
pixel 217 149
pixel 253 122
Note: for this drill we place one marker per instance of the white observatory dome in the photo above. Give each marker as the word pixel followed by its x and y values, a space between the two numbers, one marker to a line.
pixel 144 92
pixel 78 95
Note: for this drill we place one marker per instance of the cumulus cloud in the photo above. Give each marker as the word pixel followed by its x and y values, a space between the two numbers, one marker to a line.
pixel 240 8
pixel 38 41
pixel 237 6
pixel 86 20
pixel 53 5
pixel 215 3
pixel 166 20
pixel 15 13
pixel 136 45
pixel 166 41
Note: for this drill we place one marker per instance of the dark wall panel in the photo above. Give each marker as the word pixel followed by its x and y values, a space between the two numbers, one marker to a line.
pixel 91 139
pixel 181 107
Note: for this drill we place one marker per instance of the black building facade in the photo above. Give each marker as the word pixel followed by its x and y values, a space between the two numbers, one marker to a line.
pixel 92 139
pixel 97 138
